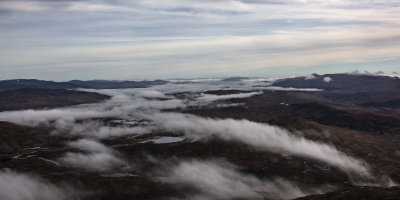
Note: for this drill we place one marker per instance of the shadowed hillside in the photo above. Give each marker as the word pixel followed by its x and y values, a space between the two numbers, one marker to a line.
pixel 30 98
pixel 348 82
pixel 93 84
pixel 367 193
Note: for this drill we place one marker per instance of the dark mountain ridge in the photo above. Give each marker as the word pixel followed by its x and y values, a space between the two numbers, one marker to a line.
pixel 342 82
pixel 32 98
pixel 92 84
pixel 33 83
pixel 104 84
pixel 370 193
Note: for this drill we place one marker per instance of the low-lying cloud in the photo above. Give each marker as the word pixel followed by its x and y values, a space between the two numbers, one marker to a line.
pixel 211 97
pixel 310 77
pixel 126 105
pixel 95 129
pixel 96 156
pixel 377 73
pixel 118 106
pixel 327 79
pixel 212 179
pixel 222 180
pixel 262 136
pixel 18 186
pixel 148 103
pixel 293 89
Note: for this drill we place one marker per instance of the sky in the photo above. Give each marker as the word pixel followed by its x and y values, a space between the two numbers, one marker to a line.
pixel 151 39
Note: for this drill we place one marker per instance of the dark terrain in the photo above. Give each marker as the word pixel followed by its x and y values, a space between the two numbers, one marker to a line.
pixel 93 84
pixel 344 82
pixel 371 193
pixel 359 115
pixel 31 98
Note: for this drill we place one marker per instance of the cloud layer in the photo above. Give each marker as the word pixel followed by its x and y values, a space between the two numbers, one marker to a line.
pixel 96 156
pixel 262 136
pixel 142 110
pixel 130 104
pixel 18 186
pixel 222 180
pixel 179 38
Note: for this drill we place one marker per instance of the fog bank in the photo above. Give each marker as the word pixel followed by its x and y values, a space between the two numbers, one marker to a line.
pixel 262 136
pixel 214 179
pixel 18 186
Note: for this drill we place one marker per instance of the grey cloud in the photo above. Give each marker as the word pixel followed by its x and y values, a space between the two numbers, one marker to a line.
pixel 153 94
pixel 54 5
pixel 293 89
pixel 90 146
pixel 19 186
pixel 309 77
pixel 123 105
pixel 119 106
pixel 97 156
pixel 327 79
pixel 33 5
pixel 222 180
pixel 262 136
pixel 197 45
pixel 210 97
pixel 95 129
pixel 377 73
pixel 37 117
pixel 126 102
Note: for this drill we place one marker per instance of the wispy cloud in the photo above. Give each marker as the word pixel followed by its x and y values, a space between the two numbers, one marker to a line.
pixel 210 97
pixel 262 136
pixel 95 156
pixel 215 179
pixel 20 186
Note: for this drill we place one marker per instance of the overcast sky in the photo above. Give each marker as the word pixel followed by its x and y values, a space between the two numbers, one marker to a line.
pixel 148 39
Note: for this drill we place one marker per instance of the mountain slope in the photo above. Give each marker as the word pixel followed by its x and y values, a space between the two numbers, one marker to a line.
pixel 30 98
pixel 367 193
pixel 346 82
pixel 94 84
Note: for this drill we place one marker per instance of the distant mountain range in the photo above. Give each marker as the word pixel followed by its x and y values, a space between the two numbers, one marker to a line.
pixel 361 90
pixel 235 79
pixel 346 82
pixel 33 98
pixel 93 84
